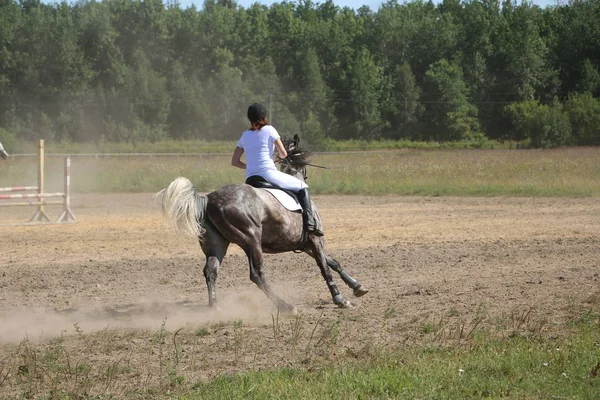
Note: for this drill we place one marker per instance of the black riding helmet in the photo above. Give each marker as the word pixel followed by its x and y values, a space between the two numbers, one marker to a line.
pixel 257 112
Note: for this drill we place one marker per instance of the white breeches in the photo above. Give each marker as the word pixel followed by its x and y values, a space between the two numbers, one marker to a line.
pixel 283 180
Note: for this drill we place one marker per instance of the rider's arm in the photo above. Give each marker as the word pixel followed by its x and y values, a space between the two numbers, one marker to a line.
pixel 280 149
pixel 236 158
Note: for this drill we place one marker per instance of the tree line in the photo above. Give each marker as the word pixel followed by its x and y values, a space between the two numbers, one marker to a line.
pixel 132 70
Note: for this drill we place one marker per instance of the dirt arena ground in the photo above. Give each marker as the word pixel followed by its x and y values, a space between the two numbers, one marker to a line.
pixel 446 262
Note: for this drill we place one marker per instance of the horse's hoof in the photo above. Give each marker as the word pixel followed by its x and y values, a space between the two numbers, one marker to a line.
pixel 345 304
pixel 216 309
pixel 360 291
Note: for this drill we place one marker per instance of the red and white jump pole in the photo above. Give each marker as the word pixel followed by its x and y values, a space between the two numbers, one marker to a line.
pixel 19 189
pixel 40 196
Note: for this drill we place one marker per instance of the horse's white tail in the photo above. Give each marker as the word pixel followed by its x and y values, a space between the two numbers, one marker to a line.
pixel 182 207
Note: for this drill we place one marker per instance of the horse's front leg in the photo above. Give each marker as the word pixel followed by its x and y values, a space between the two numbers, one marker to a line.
pixel 317 252
pixel 358 289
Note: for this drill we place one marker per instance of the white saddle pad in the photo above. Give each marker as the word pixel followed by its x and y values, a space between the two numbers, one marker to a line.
pixel 289 202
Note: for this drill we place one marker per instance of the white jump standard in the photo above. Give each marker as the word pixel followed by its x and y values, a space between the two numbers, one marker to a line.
pixel 3 152
pixel 40 197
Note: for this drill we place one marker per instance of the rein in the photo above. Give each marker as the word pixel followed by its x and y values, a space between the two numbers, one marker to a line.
pixel 318 166
pixel 292 147
pixel 308 164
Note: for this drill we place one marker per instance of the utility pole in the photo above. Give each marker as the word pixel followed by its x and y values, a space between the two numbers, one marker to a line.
pixel 271 109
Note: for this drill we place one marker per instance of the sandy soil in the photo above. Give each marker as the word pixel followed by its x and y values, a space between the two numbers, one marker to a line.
pixel 529 262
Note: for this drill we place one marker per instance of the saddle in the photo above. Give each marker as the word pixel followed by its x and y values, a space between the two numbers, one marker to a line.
pixel 259 182
pixel 285 196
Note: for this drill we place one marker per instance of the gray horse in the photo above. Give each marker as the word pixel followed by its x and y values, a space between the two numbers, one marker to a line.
pixel 3 152
pixel 254 220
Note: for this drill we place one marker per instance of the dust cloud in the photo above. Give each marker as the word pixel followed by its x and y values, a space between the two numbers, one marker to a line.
pixel 41 325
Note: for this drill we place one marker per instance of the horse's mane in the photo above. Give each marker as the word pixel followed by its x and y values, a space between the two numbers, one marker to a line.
pixel 298 156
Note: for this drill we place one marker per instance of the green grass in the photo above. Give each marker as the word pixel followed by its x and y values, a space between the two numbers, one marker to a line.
pixel 487 367
pixel 220 146
pixel 498 359
pixel 103 147
pixel 513 369
pixel 422 172
pixel 560 172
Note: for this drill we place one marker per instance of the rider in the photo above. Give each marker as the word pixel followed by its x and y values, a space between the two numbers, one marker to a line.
pixel 258 143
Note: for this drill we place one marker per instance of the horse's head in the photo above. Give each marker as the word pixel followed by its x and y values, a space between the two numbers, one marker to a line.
pixel 297 159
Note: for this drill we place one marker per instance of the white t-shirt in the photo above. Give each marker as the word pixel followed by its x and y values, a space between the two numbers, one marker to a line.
pixel 258 147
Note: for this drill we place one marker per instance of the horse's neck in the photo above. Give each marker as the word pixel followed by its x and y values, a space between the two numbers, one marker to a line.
pixel 299 175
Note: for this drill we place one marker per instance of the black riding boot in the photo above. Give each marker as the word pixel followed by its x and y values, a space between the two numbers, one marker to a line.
pixel 310 224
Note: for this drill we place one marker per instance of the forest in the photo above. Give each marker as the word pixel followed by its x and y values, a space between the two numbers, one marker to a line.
pixel 137 71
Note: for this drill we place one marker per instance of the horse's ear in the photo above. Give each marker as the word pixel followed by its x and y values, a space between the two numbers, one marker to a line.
pixel 296 139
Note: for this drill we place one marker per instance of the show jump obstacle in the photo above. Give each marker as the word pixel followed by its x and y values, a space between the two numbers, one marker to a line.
pixel 40 215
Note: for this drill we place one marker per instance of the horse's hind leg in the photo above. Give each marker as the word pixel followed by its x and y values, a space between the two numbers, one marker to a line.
pixel 255 258
pixel 356 287
pixel 215 248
